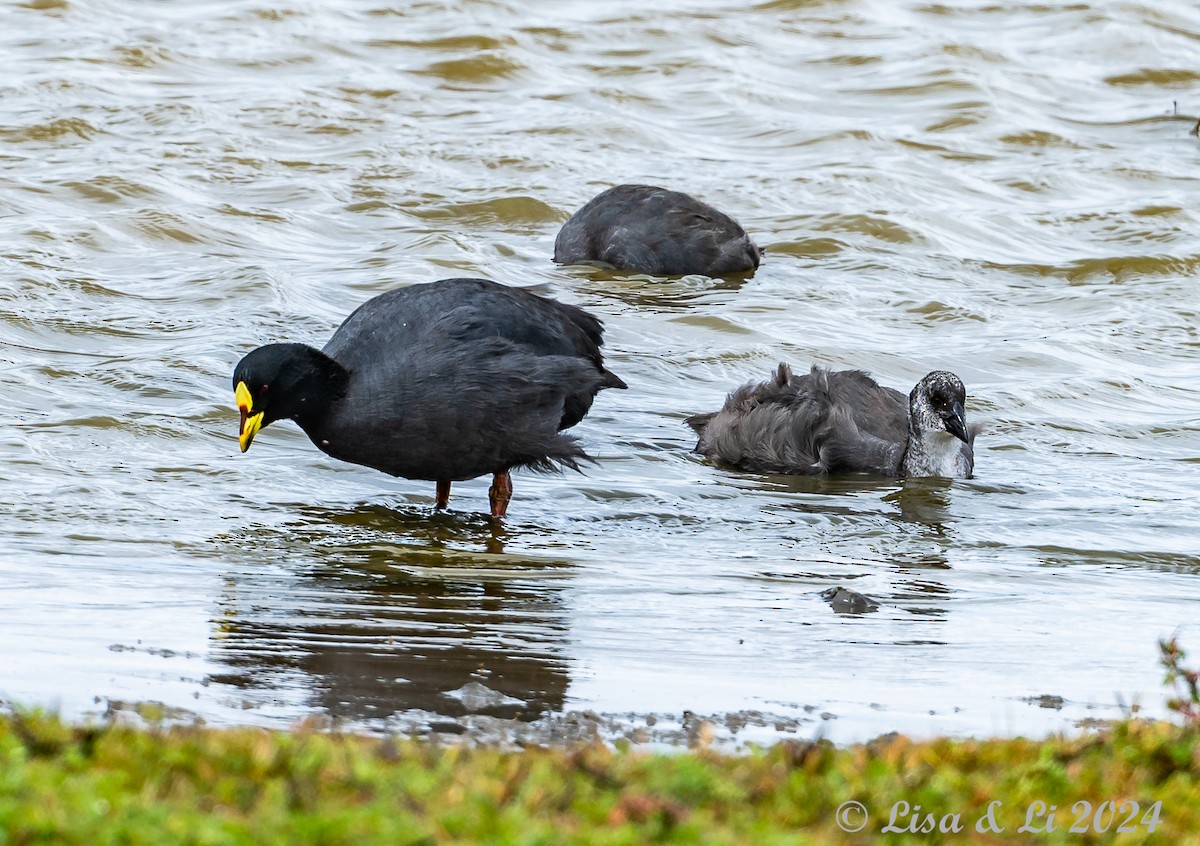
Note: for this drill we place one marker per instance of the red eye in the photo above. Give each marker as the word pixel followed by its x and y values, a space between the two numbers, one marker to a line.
pixel 264 388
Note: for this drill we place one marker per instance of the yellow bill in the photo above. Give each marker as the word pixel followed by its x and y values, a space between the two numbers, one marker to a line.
pixel 251 423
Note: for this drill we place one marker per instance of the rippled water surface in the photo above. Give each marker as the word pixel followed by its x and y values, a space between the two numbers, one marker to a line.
pixel 1007 190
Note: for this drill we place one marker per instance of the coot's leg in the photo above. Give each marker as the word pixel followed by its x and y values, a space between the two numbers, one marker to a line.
pixel 500 493
pixel 443 495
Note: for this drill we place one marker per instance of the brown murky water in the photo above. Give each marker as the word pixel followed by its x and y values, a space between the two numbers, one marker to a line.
pixel 1004 190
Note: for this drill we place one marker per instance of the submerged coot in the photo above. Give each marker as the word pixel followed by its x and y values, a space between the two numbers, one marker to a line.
pixel 841 422
pixel 445 381
pixel 653 230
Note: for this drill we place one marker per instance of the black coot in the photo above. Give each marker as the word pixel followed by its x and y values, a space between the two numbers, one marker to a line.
pixel 653 230
pixel 841 422
pixel 445 381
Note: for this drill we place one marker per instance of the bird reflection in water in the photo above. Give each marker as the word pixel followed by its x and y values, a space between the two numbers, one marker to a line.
pixel 914 526
pixel 681 294
pixel 373 612
pixel 924 501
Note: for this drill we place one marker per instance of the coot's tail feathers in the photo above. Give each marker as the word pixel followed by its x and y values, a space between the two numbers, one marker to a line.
pixel 612 380
pixel 772 426
pixel 553 457
pixel 699 422
pixel 746 398
pixel 844 448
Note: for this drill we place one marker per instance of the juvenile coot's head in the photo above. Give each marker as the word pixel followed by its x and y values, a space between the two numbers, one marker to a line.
pixel 936 404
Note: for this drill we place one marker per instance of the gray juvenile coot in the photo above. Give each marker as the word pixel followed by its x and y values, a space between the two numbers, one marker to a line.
pixel 445 381
pixel 653 230
pixel 841 422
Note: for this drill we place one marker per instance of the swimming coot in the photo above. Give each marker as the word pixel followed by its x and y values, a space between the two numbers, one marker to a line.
pixel 841 422
pixel 444 381
pixel 653 230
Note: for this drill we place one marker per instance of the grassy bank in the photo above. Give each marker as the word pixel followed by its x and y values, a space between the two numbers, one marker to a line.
pixel 120 785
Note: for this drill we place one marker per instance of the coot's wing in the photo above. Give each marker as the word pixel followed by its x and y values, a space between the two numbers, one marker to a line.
pixel 537 326
pixel 457 411
pixel 463 311
pixel 876 411
pixel 845 448
pixel 485 309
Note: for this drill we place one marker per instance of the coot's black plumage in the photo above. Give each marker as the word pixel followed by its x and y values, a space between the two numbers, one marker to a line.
pixel 653 230
pixel 444 382
pixel 841 422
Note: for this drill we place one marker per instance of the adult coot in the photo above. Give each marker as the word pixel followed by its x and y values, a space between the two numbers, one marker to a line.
pixel 841 422
pixel 653 230
pixel 444 381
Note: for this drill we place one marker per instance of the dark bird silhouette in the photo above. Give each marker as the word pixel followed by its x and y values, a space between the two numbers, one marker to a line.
pixel 841 422
pixel 444 382
pixel 653 230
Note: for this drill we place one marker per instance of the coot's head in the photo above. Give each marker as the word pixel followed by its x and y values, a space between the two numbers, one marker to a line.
pixel 281 381
pixel 936 404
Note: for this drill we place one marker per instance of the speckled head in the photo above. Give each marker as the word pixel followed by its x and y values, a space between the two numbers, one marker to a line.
pixel 936 404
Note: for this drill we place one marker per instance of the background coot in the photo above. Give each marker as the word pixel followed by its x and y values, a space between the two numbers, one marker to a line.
pixel 653 230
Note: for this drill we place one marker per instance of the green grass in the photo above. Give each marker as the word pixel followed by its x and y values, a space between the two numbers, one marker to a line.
pixel 113 784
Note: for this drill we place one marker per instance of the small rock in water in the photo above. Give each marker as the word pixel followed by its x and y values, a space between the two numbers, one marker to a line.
pixel 1047 700
pixel 845 601
pixel 447 727
pixel 477 697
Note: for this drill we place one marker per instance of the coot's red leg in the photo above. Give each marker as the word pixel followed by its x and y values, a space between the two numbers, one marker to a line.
pixel 500 493
pixel 443 495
